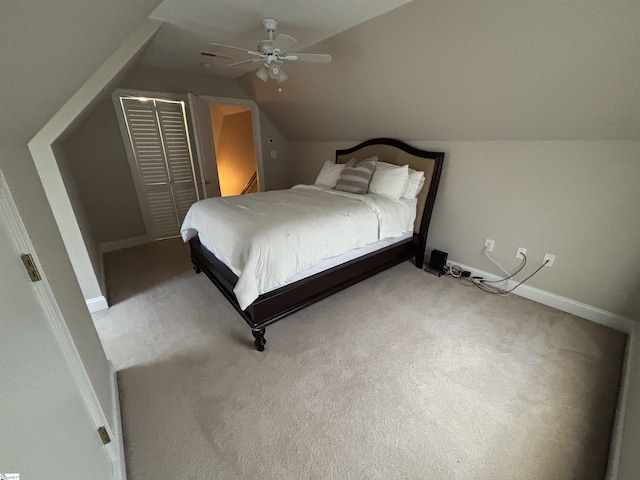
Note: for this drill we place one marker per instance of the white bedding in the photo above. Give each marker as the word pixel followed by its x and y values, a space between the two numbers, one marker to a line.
pixel 325 264
pixel 269 237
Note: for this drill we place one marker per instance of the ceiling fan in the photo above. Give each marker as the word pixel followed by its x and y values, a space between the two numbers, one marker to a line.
pixel 272 53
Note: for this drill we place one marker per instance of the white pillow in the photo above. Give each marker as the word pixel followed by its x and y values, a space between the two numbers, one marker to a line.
pixel 389 180
pixel 329 174
pixel 414 184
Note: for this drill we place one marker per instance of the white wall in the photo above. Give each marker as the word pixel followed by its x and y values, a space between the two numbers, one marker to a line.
pixel 577 200
pixel 99 164
pixel 93 284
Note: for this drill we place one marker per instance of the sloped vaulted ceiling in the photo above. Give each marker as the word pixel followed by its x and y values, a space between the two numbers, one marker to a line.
pixel 48 49
pixel 470 70
pixel 190 26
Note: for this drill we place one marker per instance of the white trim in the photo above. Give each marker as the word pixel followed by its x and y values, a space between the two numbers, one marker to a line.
pixel 41 148
pixel 102 279
pixel 204 145
pixel 618 424
pixel 120 468
pixel 96 304
pixel 55 318
pixel 565 304
pixel 124 243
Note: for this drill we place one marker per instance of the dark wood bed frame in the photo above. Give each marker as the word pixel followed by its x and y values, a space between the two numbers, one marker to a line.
pixel 277 304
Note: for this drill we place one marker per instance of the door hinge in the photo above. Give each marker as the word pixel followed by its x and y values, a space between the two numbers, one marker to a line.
pixel 31 268
pixel 104 436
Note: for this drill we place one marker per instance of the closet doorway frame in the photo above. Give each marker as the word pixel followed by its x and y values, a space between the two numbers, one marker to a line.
pixel 257 135
pixel 137 180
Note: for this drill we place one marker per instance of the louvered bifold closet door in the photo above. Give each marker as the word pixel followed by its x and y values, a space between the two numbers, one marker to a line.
pixel 160 145
pixel 176 142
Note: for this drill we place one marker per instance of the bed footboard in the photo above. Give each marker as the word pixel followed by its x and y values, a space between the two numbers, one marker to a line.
pixel 273 306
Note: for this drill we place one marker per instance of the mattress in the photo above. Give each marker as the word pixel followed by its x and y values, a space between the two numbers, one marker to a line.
pixel 320 267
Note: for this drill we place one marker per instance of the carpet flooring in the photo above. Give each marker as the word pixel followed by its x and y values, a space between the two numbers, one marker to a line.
pixel 402 376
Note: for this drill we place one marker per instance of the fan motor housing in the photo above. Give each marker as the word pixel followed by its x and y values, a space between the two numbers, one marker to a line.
pixel 265 47
pixel 270 23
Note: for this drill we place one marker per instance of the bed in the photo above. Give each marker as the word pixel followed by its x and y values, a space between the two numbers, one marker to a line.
pixel 333 274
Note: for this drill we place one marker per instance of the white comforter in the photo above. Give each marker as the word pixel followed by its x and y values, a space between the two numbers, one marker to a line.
pixel 271 236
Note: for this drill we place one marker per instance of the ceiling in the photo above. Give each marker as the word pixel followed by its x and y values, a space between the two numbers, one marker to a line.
pixel 49 49
pixel 470 70
pixel 429 69
pixel 190 25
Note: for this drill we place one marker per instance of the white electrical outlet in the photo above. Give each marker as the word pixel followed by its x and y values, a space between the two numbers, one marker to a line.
pixel 520 251
pixel 551 258
pixel 489 244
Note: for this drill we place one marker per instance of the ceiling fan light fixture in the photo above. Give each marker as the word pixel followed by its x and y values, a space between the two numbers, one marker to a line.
pixel 274 70
pixel 263 73
pixel 281 76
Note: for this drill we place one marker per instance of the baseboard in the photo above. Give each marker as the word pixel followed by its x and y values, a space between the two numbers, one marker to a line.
pixel 120 469
pixel 96 304
pixel 124 243
pixel 615 448
pixel 568 305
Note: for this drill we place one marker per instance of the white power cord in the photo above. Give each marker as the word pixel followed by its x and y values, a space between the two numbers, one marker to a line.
pixel 486 252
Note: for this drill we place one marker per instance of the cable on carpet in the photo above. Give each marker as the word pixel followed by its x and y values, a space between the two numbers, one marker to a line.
pixel 481 283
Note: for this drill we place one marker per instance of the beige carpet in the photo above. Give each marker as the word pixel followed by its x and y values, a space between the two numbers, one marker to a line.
pixel 403 376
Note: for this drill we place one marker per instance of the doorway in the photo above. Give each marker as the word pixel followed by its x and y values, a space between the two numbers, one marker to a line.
pixel 232 130
pixel 228 142
pixel 157 139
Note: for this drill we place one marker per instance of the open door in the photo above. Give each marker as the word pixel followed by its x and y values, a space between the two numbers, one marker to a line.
pixel 50 414
pixel 201 124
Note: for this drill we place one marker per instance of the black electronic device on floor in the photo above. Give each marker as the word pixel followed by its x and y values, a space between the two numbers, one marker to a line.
pixel 437 262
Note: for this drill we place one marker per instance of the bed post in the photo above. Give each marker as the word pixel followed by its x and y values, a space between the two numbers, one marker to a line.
pixel 258 334
pixel 422 245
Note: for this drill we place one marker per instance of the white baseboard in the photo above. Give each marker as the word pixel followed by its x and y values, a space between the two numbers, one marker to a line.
pixel 96 304
pixel 124 243
pixel 583 310
pixel 120 469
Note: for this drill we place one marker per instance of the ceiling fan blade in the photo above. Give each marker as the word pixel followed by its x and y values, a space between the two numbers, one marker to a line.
pixel 250 52
pixel 284 43
pixel 251 60
pixel 308 57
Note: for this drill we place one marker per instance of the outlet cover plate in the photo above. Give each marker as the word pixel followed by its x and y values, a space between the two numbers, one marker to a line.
pixel 489 244
pixel 550 257
pixel 520 251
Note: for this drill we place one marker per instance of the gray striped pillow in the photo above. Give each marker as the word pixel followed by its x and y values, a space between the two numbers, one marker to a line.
pixel 356 176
